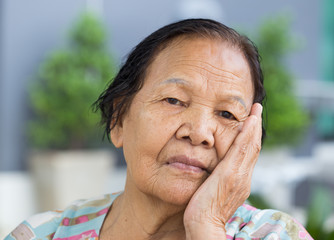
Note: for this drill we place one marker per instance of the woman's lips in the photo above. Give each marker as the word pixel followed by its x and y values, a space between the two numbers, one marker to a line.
pixel 186 164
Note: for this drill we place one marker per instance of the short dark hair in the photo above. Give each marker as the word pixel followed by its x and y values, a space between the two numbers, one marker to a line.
pixel 116 99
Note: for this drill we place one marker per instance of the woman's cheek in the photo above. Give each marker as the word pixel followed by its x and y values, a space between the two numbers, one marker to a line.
pixel 225 135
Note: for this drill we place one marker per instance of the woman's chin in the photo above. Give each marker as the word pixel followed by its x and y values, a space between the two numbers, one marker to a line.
pixel 178 193
pixel 175 188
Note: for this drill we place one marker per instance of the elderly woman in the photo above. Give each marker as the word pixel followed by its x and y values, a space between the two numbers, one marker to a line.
pixel 186 108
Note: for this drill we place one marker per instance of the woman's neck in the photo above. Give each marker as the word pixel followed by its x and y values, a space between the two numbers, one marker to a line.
pixel 135 215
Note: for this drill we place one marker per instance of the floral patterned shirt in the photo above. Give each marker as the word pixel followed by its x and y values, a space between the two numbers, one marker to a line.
pixel 83 219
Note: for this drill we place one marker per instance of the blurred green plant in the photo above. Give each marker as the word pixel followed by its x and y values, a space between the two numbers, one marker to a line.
pixel 319 211
pixel 258 201
pixel 68 83
pixel 286 120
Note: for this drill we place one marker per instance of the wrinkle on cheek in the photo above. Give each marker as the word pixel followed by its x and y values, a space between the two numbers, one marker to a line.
pixel 228 130
pixel 225 136
pixel 152 180
pixel 234 125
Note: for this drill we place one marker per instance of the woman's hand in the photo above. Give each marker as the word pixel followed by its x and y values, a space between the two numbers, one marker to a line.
pixel 226 189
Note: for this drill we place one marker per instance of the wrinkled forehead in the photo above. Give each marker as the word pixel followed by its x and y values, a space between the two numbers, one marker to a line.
pixel 214 55
pixel 181 41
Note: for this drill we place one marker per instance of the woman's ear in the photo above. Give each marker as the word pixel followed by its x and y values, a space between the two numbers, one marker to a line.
pixel 116 135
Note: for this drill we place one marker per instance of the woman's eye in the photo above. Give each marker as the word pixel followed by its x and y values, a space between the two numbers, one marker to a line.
pixel 173 101
pixel 227 115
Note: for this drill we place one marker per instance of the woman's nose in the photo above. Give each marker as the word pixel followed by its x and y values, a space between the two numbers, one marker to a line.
pixel 198 128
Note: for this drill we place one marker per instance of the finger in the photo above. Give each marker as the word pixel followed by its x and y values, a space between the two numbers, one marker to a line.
pixel 254 146
pixel 239 149
pixel 247 143
pixel 257 110
pixel 251 130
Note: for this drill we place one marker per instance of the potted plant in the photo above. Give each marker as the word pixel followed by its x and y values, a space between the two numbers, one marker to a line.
pixel 64 130
pixel 285 118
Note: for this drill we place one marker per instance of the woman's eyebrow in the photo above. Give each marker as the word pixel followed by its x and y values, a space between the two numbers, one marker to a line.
pixel 240 100
pixel 176 81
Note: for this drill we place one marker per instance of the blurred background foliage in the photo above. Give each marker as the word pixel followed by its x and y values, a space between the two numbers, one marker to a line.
pixel 319 210
pixel 69 81
pixel 284 117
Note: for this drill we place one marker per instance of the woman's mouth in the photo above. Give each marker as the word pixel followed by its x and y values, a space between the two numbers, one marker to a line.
pixel 186 164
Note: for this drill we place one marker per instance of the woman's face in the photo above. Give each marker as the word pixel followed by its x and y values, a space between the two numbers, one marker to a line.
pixel 195 97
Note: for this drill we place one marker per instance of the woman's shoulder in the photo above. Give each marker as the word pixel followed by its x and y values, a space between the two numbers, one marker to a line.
pixel 80 218
pixel 251 223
